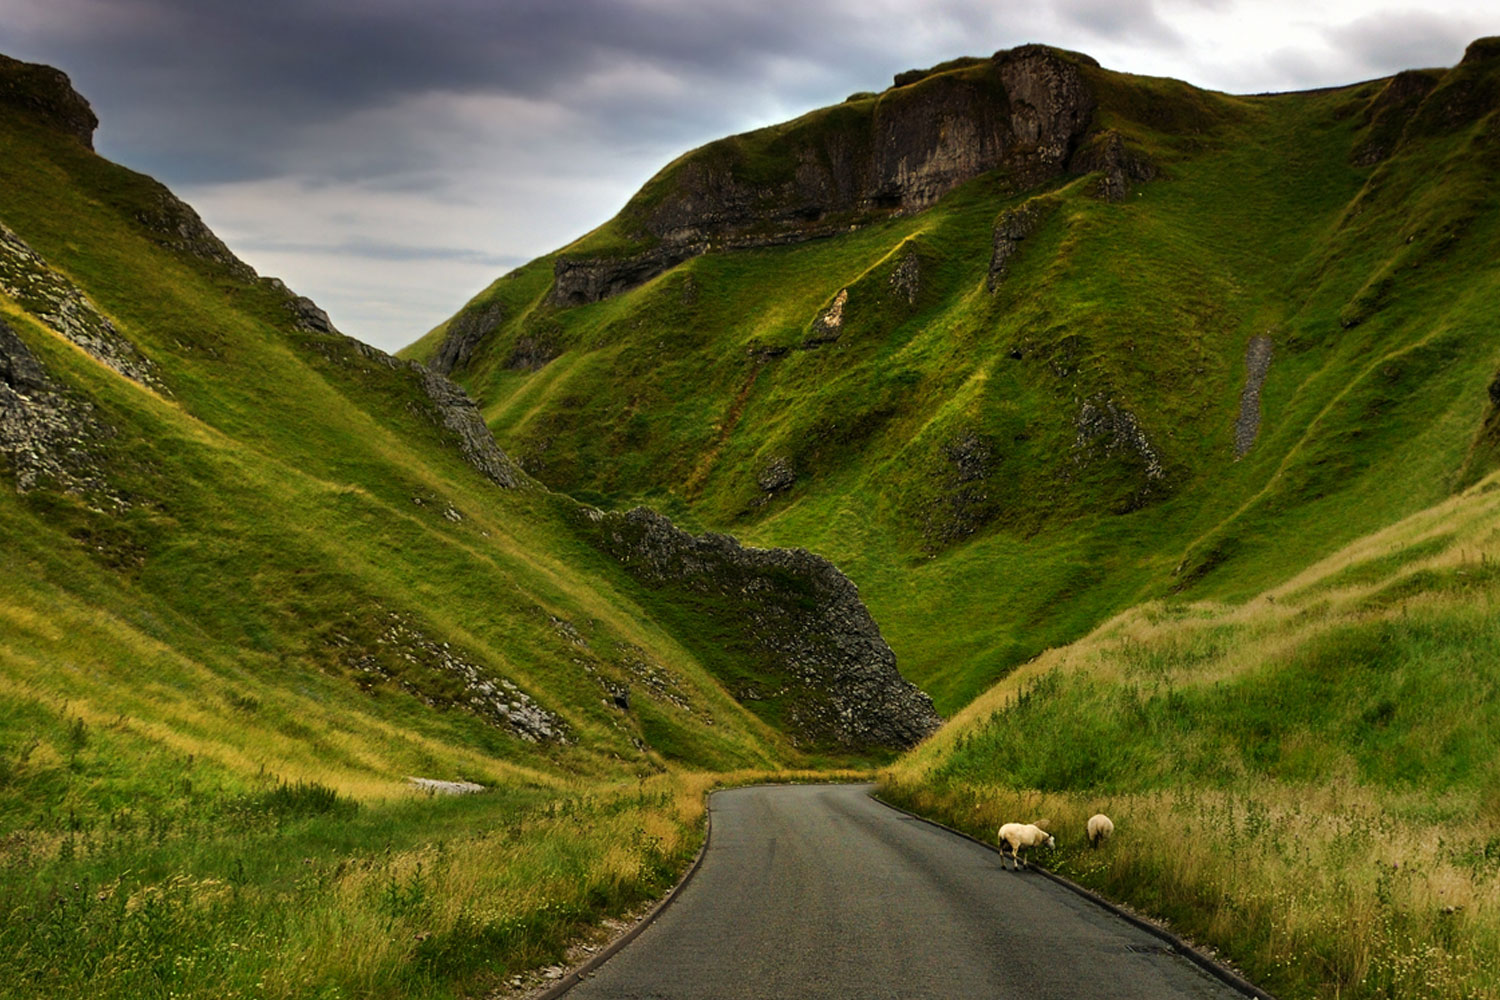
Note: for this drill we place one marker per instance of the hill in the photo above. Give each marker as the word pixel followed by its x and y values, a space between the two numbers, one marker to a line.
pixel 1021 342
pixel 259 574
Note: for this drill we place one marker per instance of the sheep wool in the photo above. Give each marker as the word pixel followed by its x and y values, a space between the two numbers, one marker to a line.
pixel 1019 837
pixel 1101 828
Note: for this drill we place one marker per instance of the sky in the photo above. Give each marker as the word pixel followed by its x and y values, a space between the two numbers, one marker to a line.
pixel 390 159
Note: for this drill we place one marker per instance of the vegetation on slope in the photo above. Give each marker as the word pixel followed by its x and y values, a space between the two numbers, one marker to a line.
pixel 254 580
pixel 1001 470
pixel 1307 780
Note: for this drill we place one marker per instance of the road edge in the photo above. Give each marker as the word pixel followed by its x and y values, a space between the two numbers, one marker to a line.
pixel 577 975
pixel 1213 968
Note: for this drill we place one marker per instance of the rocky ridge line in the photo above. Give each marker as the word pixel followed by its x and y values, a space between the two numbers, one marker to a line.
pixel 920 140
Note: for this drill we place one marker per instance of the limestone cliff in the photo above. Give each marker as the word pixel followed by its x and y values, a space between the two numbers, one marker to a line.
pixel 1023 111
pixel 825 672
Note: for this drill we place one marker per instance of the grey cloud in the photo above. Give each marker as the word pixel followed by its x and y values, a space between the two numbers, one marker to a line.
pixel 1120 20
pixel 1405 39
pixel 369 250
pixel 227 84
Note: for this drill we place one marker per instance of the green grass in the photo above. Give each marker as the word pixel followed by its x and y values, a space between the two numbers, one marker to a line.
pixel 1374 283
pixel 1306 781
pixel 211 700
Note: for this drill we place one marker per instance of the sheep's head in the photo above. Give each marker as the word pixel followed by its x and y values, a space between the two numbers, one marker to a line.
pixel 1051 841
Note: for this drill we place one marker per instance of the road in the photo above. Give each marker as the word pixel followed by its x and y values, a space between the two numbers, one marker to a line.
pixel 818 891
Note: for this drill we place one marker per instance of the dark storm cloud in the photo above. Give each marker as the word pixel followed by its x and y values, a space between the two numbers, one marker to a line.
pixel 235 83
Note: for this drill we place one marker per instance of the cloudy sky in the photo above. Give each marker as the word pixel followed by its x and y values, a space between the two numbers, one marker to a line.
pixel 391 157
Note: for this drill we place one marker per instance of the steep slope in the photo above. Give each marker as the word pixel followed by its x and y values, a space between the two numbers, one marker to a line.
pixel 241 536
pixel 1309 780
pixel 258 575
pixel 1081 339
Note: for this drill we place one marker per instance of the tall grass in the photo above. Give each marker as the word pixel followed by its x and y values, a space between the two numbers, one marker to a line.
pixel 297 893
pixel 1309 782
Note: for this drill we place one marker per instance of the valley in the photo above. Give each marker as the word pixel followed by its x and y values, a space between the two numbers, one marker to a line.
pixel 1141 437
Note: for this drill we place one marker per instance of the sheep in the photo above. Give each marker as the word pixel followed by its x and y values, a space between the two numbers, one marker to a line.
pixel 1018 837
pixel 1101 828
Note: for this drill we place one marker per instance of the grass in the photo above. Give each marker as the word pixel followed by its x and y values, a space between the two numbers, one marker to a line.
pixel 1373 283
pixel 211 699
pixel 1305 781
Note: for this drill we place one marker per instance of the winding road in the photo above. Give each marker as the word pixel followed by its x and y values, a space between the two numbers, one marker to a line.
pixel 818 891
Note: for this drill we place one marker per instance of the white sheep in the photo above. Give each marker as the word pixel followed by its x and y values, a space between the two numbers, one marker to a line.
pixel 1018 837
pixel 1101 828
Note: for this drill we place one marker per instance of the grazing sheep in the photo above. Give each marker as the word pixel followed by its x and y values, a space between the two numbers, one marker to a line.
pixel 1101 828
pixel 1018 837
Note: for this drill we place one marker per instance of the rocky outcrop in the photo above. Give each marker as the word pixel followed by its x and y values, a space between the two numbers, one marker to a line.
pixel 964 501
pixel 1247 424
pixel 1105 429
pixel 399 651
pixel 1120 165
pixel 57 302
pixel 172 223
pixel 577 281
pixel 456 411
pixel 1388 112
pixel 829 323
pixel 47 95
pixel 1024 111
pixel 48 436
pixel 464 333
pixel 906 276
pixel 817 653
pixel 1014 226
pixel 777 476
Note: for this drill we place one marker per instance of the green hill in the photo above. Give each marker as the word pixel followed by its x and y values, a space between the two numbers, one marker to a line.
pixel 1083 339
pixel 258 575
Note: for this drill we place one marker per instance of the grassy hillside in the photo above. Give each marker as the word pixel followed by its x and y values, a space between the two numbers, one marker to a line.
pixel 253 583
pixel 1306 780
pixel 1003 462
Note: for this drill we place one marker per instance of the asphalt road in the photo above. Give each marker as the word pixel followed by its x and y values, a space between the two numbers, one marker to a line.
pixel 818 891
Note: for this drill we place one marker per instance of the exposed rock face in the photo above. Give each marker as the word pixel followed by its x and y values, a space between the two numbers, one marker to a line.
pixel 1247 424
pixel 829 322
pixel 1011 228
pixel 459 414
pixel 906 278
pixel 308 316
pixel 1389 112
pixel 403 653
pixel 1023 110
pixel 1121 165
pixel 174 224
pixel 964 502
pixel 778 475
pixel 1107 429
pixel 821 653
pixel 576 281
pixel 465 331
pixel 45 433
pixel 532 353
pixel 56 301
pixel 48 96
